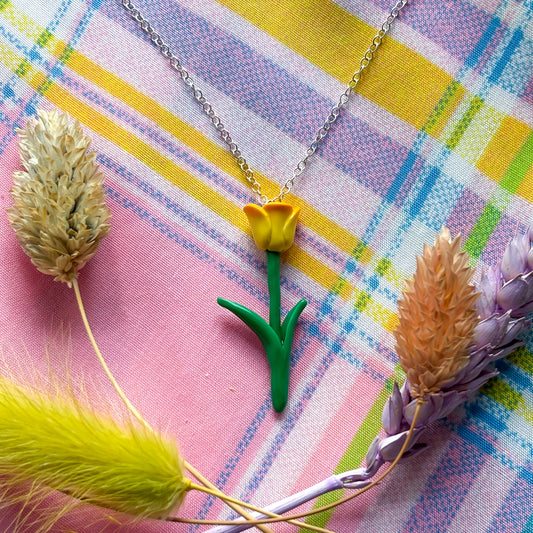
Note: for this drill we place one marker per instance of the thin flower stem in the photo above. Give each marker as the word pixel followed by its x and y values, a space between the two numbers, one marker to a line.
pixel 101 359
pixel 319 509
pixel 235 506
pixel 229 500
pixel 274 292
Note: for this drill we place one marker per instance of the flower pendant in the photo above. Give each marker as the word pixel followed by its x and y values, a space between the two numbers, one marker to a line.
pixel 273 227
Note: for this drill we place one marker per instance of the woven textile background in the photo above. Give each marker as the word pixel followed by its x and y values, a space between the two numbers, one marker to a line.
pixel 439 133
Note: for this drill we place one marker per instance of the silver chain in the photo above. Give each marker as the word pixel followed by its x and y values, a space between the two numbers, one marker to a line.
pixel 207 108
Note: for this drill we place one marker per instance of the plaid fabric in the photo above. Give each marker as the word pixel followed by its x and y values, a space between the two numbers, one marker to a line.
pixel 439 133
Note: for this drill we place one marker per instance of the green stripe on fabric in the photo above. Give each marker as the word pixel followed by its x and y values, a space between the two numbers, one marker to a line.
pixel 440 108
pixel 45 85
pixel 482 230
pixel 23 68
pixel 341 283
pixel 502 393
pixel 363 301
pixel 357 449
pixel 359 250
pixel 461 127
pixel 3 4
pixel 383 266
pixel 66 54
pixel 518 167
pixel 45 37
pixel 522 358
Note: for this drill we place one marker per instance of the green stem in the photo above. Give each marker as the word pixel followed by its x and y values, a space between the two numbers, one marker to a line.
pixel 274 292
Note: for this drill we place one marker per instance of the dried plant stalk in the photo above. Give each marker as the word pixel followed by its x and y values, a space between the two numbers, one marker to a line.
pixel 50 440
pixel 437 317
pixel 59 213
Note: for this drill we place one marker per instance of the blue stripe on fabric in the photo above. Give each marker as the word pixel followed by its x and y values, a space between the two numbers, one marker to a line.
pixel 517 37
pixel 474 57
pixel 428 184
pixel 232 463
pixel 486 416
pixel 526 474
pixel 518 377
pixel 446 487
pixel 481 443
pixel 514 512
pixel 406 167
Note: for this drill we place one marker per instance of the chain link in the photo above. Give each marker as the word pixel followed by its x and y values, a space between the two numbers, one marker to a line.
pixel 207 108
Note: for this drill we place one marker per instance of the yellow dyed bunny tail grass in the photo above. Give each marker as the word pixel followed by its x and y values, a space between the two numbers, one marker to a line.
pixel 53 441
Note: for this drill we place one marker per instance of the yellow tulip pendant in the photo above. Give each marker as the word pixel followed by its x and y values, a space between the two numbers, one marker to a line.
pixel 273 227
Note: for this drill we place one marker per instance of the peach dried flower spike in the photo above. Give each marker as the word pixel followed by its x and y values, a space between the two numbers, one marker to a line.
pixel 59 212
pixel 437 317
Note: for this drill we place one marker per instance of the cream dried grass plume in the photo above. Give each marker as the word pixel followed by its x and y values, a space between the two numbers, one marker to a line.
pixel 437 317
pixel 59 212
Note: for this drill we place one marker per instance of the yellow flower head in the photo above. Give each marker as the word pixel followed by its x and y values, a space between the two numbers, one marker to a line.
pixel 273 225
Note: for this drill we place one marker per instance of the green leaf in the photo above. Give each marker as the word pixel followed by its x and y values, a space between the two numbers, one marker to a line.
pixel 257 324
pixel 287 328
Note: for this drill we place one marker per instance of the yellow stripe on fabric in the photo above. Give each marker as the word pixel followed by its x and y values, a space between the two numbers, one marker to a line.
pixel 21 21
pixel 503 147
pixel 522 358
pixel 9 59
pixel 185 181
pixel 335 40
pixel 201 144
pixel 188 135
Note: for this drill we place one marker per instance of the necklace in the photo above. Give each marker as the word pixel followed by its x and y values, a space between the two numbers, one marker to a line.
pixel 273 221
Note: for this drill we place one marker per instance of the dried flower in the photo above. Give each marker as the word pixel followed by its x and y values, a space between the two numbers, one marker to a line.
pixel 59 213
pixel 51 440
pixel 495 336
pixel 437 317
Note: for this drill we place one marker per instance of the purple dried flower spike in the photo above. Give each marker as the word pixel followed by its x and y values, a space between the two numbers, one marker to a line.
pixel 506 298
